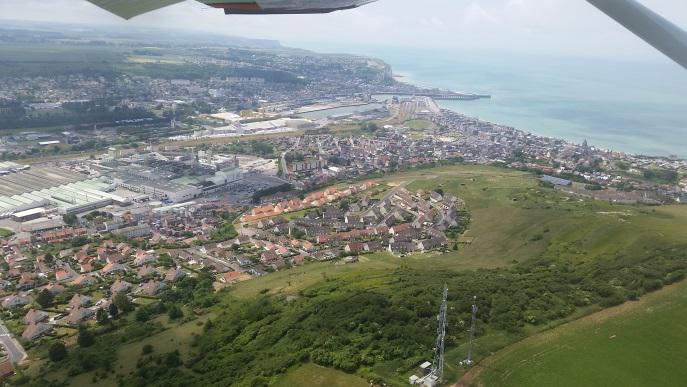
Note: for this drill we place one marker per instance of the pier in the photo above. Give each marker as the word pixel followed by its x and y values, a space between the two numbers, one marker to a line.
pixel 442 96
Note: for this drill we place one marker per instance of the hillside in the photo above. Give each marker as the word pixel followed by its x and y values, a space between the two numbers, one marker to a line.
pixel 537 258
pixel 630 345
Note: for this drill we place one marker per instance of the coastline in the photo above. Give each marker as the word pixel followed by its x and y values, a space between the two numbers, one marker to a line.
pixel 634 108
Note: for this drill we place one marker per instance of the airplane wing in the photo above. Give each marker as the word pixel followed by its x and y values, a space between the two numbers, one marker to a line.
pixel 648 25
pixel 130 8
pixel 643 22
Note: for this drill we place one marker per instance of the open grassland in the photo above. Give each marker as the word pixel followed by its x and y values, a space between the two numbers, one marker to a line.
pixel 419 124
pixel 636 344
pixel 315 376
pixel 514 219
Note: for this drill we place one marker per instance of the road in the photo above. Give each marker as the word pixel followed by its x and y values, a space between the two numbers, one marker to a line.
pixel 14 349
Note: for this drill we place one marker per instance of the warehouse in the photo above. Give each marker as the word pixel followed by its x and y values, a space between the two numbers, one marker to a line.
pixel 25 216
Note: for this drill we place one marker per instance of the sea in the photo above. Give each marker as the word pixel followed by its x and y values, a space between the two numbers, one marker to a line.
pixel 629 106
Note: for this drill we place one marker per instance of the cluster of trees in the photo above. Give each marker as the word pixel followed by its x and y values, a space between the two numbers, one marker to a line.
pixel 67 117
pixel 195 72
pixel 337 323
pixel 96 346
pixel 271 191
pixel 253 147
pixel 663 176
pixel 225 231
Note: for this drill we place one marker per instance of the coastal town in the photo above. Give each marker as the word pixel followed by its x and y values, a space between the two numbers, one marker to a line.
pixel 150 185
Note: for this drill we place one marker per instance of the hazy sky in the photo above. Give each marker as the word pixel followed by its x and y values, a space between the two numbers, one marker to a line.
pixel 547 26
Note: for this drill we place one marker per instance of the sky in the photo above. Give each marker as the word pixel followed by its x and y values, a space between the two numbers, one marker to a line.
pixel 555 27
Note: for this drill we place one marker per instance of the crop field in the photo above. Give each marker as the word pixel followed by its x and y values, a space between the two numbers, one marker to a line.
pixel 637 344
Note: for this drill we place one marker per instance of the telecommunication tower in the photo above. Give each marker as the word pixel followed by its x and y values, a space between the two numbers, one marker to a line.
pixel 436 373
pixel 471 344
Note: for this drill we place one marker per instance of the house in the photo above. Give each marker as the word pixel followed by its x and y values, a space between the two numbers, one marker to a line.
pixel 398 248
pixel 241 240
pixel 83 279
pixel 431 244
pixel 324 238
pixel 35 316
pixel 86 267
pixel 15 301
pixel 399 228
pixel 120 286
pixel 55 289
pixel 112 268
pixel 174 274
pixel 146 271
pixel 79 315
pixel 143 258
pixel 277 264
pixel 354 247
pixel 63 275
pixel 26 281
pixel 79 300
pixel 435 197
pixel 268 256
pixel 153 287
pixel 115 258
pixel 35 330
pixel 298 260
pixel 231 277
pixel 373 246
pixel 243 261
pixel 307 246
pixel 6 368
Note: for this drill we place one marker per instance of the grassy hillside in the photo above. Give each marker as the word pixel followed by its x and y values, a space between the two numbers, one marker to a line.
pixel 538 259
pixel 316 376
pixel 636 344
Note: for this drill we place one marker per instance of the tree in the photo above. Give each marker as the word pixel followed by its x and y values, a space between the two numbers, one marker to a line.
pixel 57 351
pixel 143 314
pixel 122 302
pixel 148 348
pixel 45 298
pixel 85 338
pixel 114 311
pixel 69 219
pixel 172 359
pixel 101 316
pixel 175 312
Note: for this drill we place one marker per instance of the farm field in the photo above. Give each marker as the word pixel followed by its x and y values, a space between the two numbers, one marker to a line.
pixel 635 344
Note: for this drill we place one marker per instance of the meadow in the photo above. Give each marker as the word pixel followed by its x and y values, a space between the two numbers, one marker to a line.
pixel 635 344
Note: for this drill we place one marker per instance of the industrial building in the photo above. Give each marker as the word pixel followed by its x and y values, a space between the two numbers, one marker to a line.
pixel 69 192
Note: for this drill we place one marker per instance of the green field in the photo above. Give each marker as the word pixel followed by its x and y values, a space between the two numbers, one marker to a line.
pixel 315 376
pixel 419 124
pixel 636 344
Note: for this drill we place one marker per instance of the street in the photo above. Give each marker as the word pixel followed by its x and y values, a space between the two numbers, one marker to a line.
pixel 14 349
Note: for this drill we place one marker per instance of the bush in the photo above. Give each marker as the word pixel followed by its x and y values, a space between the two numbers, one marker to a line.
pixel 147 349
pixel 613 300
pixel 85 338
pixel 57 352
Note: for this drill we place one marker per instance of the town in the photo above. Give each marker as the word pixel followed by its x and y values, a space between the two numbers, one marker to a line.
pixel 156 182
